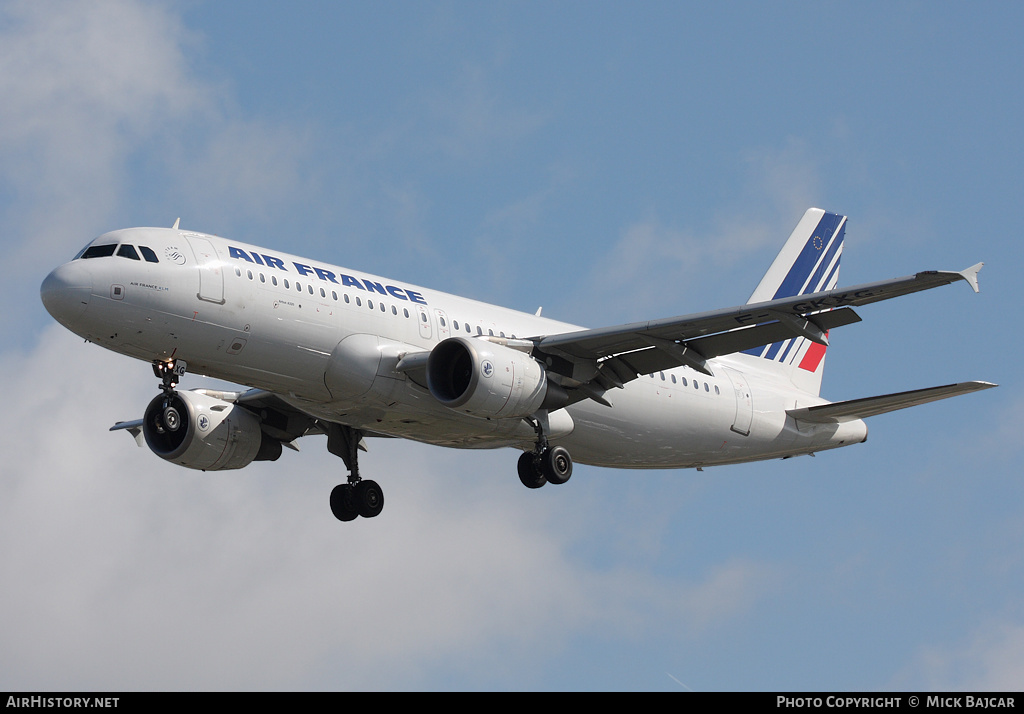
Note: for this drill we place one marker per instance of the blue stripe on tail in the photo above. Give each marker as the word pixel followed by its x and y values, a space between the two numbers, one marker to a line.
pixel 815 268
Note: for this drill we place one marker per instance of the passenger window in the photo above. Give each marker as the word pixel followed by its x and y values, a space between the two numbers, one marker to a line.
pixel 442 321
pixel 310 289
pixel 99 251
pixel 369 304
pixel 491 333
pixel 238 272
pixel 359 302
pixel 273 279
pixel 334 294
pixel 673 379
pixel 716 390
pixel 286 284
pixel 706 389
pixel 249 274
pixel 406 311
pixel 383 307
pixel 685 383
pixel 263 278
pixel 423 316
pixel 394 310
pixel 148 254
pixel 455 324
pixel 662 376
pixel 346 298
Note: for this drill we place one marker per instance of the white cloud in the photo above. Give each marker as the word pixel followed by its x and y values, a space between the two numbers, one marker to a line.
pixel 787 181
pixel 470 119
pixel 687 268
pixel 99 96
pixel 992 660
pixel 123 571
pixel 84 83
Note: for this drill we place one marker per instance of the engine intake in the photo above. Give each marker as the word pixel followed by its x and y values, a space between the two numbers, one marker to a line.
pixel 489 380
pixel 202 432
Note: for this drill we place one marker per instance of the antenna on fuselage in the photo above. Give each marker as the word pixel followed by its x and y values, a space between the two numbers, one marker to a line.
pixel 538 311
pixel 176 222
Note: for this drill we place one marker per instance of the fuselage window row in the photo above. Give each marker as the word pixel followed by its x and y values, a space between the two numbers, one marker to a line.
pixel 685 382
pixel 109 250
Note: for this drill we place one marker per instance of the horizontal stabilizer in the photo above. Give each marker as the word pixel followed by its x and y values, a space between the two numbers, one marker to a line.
pixel 871 406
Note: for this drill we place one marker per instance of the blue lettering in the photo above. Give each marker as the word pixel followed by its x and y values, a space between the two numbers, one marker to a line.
pixel 238 253
pixel 374 287
pixel 325 274
pixel 273 262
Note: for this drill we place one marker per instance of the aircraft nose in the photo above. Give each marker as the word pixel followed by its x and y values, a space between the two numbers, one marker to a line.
pixel 66 292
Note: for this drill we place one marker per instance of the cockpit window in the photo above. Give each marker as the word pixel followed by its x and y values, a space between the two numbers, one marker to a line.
pixel 148 254
pixel 128 251
pixel 99 251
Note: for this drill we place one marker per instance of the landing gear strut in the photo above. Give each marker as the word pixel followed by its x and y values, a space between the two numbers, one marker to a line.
pixel 357 497
pixel 168 419
pixel 169 373
pixel 545 463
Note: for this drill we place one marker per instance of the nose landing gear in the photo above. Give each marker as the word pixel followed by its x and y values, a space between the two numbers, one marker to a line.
pixel 168 420
pixel 169 372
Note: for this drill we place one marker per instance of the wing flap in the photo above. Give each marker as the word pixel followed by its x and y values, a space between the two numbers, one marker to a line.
pixel 872 406
pixel 607 341
pixel 738 340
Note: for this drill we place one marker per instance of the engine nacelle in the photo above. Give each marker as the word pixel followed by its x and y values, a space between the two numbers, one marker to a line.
pixel 202 432
pixel 486 379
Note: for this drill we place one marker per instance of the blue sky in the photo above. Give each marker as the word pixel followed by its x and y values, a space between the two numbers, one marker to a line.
pixel 610 162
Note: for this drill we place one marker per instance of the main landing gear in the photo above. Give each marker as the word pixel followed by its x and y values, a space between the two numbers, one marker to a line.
pixel 357 497
pixel 545 464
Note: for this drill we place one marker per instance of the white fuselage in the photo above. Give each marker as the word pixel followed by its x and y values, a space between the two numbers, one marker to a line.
pixel 327 340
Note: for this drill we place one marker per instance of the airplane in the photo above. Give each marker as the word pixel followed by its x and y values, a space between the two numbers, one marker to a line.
pixel 339 352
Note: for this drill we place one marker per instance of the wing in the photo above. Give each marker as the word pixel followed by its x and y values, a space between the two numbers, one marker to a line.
pixel 596 360
pixel 838 412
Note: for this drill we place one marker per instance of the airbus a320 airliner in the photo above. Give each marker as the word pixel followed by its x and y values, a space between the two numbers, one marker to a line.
pixel 335 351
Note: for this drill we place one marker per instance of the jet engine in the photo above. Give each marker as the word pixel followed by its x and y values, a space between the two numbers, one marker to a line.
pixel 489 380
pixel 201 432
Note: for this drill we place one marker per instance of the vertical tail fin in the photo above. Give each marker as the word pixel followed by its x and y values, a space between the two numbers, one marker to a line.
pixel 807 263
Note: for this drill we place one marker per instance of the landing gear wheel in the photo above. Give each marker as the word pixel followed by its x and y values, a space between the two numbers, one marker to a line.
pixel 528 472
pixel 343 503
pixel 556 464
pixel 369 498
